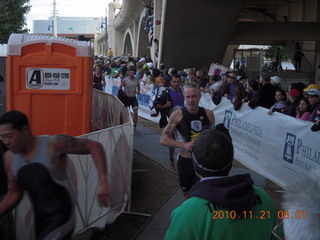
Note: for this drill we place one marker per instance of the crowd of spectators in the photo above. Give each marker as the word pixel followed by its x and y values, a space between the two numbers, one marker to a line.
pixel 297 101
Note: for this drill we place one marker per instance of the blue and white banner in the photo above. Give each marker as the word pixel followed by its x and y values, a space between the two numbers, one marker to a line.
pixel 145 99
pixel 277 146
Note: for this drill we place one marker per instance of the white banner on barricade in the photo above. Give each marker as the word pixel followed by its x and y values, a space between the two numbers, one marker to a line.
pixel 277 146
pixel 145 99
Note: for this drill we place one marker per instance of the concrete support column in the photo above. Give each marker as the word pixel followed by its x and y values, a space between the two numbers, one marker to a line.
pixel 113 6
pixel 317 46
pixel 157 16
pixel 229 54
pixel 157 28
pixel 295 12
pixel 161 36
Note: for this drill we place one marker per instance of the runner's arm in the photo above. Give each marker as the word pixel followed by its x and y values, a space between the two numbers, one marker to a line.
pixel 64 144
pixel 210 116
pixel 138 86
pixel 166 139
pixel 166 105
pixel 14 194
pixel 122 84
pixel 103 78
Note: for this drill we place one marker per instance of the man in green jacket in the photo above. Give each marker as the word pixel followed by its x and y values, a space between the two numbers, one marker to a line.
pixel 221 206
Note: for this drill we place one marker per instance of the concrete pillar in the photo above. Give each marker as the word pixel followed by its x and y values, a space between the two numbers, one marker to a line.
pixel 229 54
pixel 157 16
pixel 157 28
pixel 317 47
pixel 295 12
pixel 112 35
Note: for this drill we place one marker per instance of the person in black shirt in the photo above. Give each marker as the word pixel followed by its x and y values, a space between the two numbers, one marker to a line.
pixel 187 123
pixel 266 93
pixel 7 225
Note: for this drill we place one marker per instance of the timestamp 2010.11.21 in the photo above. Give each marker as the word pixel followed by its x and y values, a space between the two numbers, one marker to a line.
pixel 280 214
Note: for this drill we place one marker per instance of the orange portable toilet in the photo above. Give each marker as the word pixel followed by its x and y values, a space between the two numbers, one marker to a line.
pixel 50 80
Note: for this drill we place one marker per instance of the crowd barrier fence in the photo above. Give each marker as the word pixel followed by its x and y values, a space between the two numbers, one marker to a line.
pixel 116 136
pixel 277 146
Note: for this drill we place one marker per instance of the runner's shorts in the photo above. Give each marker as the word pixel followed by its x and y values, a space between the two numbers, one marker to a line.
pixel 186 174
pixel 132 101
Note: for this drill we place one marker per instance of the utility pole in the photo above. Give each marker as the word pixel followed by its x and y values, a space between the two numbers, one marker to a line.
pixel 55 31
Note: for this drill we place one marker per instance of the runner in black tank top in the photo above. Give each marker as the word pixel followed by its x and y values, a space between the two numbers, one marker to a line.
pixel 192 125
pixel 186 124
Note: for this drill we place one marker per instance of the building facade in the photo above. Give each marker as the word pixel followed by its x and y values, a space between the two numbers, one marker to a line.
pixel 69 25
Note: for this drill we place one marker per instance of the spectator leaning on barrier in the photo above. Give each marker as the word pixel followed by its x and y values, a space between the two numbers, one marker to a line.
pixel 266 93
pixel 303 109
pixel 253 87
pixel 221 206
pixel 213 85
pixel 313 93
pixel 224 89
pixel 243 81
pixel 280 105
pixel 225 86
pixel 316 127
pixel 233 82
pixel 241 96
pixel 293 101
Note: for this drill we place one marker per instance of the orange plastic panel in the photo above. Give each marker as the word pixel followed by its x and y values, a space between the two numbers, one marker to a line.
pixel 52 86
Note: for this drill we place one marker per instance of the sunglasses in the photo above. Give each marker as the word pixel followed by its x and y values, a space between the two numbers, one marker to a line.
pixel 313 92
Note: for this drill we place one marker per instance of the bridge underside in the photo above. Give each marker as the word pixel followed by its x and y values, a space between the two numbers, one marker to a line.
pixel 270 32
pixel 193 37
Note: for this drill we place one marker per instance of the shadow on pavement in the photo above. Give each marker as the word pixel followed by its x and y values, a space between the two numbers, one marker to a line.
pixel 152 186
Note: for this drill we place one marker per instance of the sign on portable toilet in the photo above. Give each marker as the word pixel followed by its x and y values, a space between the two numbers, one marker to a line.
pixel 50 80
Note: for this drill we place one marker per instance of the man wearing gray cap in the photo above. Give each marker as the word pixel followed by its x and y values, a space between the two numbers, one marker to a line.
pixel 221 206
pixel 276 81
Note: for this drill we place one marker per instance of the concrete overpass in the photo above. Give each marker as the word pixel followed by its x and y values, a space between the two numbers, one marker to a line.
pixel 197 33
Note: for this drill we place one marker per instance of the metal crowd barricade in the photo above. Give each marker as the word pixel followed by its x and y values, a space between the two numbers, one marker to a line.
pixel 116 135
